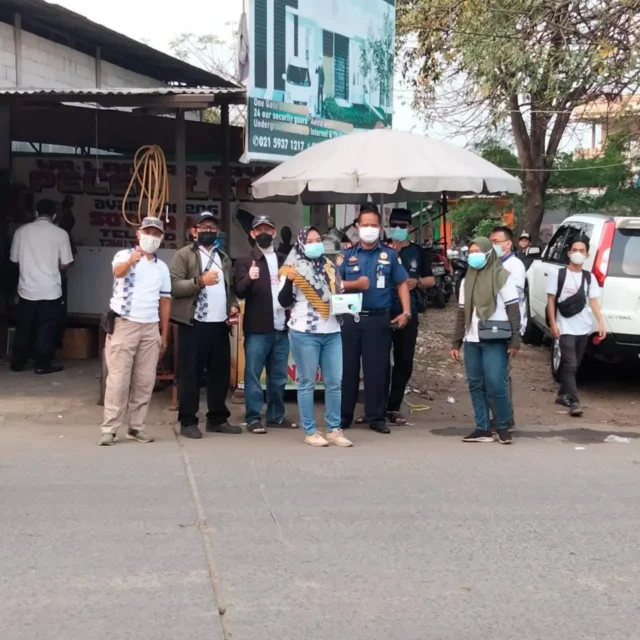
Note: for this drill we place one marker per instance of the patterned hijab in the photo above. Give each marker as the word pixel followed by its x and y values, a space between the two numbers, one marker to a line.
pixel 317 279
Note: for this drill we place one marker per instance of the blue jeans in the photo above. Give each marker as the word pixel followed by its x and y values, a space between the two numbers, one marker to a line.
pixel 311 350
pixel 486 364
pixel 270 351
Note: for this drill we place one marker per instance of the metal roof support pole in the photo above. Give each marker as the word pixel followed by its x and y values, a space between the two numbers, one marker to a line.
pixel 226 173
pixel 17 39
pixel 181 179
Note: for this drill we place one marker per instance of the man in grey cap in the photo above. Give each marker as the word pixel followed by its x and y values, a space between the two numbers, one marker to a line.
pixel 266 343
pixel 137 328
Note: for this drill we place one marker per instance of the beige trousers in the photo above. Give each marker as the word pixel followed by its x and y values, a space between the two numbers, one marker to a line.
pixel 132 353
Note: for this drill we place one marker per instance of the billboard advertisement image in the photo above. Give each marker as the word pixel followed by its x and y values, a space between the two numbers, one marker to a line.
pixel 319 69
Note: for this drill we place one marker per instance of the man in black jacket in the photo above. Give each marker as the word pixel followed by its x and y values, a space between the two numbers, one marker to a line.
pixel 266 343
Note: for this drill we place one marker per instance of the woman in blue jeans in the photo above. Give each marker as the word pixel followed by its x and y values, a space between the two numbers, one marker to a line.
pixel 308 280
pixel 488 323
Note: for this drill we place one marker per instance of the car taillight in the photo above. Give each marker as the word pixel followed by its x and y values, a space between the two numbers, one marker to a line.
pixel 601 263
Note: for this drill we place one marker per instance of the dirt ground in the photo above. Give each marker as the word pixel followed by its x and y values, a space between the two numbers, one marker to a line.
pixel 609 396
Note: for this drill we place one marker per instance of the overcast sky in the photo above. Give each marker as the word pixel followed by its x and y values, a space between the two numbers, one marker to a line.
pixel 157 24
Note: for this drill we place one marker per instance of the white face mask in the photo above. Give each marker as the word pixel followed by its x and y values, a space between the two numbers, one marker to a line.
pixel 369 234
pixel 577 258
pixel 149 244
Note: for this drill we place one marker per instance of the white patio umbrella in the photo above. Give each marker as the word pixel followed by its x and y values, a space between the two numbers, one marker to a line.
pixel 382 165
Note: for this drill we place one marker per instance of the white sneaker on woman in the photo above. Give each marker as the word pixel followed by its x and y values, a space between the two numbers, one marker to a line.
pixel 337 437
pixel 316 440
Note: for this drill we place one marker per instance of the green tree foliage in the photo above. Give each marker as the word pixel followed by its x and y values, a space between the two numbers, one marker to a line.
pixel 527 63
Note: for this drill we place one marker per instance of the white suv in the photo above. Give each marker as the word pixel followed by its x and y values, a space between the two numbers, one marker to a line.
pixel 614 261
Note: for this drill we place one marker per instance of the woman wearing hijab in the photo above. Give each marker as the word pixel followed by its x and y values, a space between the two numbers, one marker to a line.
pixel 308 281
pixel 488 323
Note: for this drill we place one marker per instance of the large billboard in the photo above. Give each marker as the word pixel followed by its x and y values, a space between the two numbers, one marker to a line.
pixel 319 69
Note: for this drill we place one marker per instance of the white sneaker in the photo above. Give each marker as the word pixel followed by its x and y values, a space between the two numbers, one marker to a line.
pixel 316 440
pixel 337 437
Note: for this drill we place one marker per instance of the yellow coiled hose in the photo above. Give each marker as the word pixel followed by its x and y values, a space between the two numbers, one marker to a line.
pixel 149 182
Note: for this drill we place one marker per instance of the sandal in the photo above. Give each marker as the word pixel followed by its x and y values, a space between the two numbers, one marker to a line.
pixel 395 417
pixel 256 427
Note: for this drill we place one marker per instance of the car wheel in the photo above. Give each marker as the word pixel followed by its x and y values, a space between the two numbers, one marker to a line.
pixel 555 360
pixel 533 335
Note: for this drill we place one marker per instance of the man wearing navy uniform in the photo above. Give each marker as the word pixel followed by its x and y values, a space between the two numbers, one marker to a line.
pixel 418 267
pixel 374 270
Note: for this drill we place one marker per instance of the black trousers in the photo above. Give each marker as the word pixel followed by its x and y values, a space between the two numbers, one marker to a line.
pixel 36 330
pixel 572 350
pixel 204 347
pixel 62 325
pixel 404 349
pixel 369 340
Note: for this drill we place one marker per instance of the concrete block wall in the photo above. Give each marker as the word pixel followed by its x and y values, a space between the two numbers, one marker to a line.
pixel 7 56
pixel 48 64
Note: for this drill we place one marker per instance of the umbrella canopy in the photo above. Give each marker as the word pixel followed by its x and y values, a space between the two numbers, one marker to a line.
pixel 382 164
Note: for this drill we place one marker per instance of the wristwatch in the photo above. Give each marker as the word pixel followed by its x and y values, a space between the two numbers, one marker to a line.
pixel 407 314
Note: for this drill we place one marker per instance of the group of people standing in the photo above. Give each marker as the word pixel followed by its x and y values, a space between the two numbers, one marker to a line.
pixel 492 315
pixel 287 308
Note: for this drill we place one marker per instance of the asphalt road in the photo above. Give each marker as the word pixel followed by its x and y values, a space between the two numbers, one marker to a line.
pixel 408 536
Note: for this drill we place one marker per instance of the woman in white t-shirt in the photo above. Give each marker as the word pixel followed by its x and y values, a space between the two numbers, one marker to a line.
pixel 308 280
pixel 488 323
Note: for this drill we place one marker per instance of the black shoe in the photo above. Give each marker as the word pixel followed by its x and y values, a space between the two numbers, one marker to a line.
pixel 478 436
pixel 563 400
pixel 50 368
pixel 17 368
pixel 380 428
pixel 225 427
pixel 504 436
pixel 575 410
pixel 190 431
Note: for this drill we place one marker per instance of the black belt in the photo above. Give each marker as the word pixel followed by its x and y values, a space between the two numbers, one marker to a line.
pixel 374 312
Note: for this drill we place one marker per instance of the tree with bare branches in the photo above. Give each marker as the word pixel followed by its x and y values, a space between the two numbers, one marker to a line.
pixel 526 63
pixel 216 55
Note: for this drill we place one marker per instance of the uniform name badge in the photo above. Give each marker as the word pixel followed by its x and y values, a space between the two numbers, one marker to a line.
pixel 344 303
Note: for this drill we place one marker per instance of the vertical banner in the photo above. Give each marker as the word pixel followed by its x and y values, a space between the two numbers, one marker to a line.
pixel 318 70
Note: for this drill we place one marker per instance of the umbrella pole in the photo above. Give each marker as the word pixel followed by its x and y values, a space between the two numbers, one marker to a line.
pixel 421 222
pixel 444 220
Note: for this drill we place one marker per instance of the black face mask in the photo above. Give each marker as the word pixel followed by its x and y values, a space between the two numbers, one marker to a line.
pixel 264 240
pixel 207 238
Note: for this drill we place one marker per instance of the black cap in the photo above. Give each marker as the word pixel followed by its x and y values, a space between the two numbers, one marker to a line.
pixel 258 220
pixel 204 216
pixel 401 215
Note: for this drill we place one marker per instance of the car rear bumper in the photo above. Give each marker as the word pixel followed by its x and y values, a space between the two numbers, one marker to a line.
pixel 616 348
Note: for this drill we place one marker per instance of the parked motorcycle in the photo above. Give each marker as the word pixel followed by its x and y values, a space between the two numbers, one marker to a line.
pixel 439 294
pixel 459 267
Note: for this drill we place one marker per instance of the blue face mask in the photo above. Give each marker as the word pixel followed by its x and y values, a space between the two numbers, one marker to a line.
pixel 314 250
pixel 499 249
pixel 398 234
pixel 477 260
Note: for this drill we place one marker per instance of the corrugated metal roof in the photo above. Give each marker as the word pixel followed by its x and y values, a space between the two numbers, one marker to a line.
pixel 56 23
pixel 126 91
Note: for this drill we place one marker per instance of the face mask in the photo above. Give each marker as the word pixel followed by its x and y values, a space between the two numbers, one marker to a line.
pixel 477 260
pixel 369 234
pixel 577 258
pixel 207 238
pixel 398 234
pixel 314 251
pixel 499 249
pixel 264 240
pixel 149 244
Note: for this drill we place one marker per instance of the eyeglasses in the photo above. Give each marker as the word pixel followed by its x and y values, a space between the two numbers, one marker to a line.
pixel 207 228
